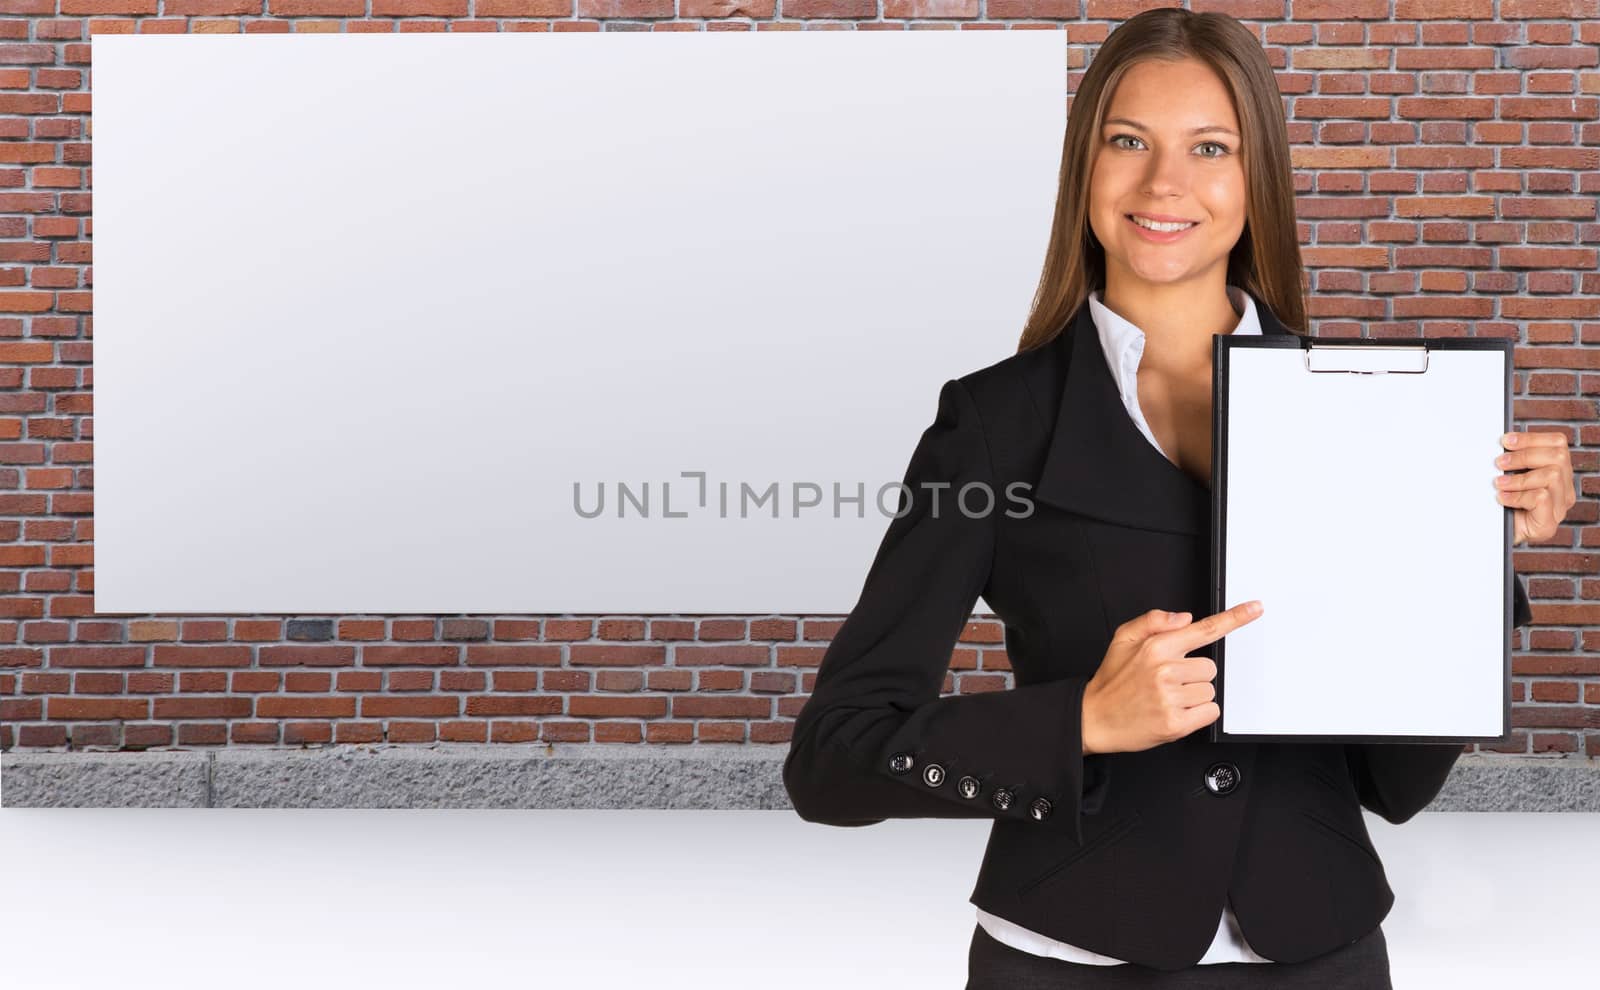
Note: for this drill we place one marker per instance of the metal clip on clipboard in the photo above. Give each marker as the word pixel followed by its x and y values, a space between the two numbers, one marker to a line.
pixel 1364 359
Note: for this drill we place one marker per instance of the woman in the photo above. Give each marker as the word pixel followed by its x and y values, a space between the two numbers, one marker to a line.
pixel 1127 849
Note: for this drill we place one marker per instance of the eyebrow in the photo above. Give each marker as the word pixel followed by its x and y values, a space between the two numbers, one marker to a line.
pixel 1197 130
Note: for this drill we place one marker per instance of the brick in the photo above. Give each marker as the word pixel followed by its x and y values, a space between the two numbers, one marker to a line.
pixel 1446 160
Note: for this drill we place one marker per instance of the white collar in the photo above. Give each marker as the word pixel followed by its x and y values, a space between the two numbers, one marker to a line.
pixel 1123 343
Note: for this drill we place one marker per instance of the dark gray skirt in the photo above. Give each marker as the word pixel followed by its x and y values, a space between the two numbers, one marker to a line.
pixel 1361 965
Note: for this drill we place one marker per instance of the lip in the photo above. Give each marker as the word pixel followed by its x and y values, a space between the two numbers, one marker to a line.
pixel 1159 236
pixel 1161 217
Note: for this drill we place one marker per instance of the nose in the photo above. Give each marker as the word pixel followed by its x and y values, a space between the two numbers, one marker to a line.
pixel 1168 174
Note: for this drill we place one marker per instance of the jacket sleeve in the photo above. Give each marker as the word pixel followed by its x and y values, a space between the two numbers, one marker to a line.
pixel 875 740
pixel 1397 780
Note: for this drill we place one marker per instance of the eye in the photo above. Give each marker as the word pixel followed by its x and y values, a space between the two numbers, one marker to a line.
pixel 1117 137
pixel 1222 149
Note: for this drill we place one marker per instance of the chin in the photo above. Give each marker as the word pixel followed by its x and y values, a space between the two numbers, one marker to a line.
pixel 1164 274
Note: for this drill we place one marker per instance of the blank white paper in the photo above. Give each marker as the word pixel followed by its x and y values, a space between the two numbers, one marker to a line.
pixel 1361 511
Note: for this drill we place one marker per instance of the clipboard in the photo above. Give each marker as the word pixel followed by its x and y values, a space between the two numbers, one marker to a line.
pixel 1353 494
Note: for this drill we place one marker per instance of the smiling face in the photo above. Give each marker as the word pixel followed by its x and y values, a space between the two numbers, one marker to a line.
pixel 1168 150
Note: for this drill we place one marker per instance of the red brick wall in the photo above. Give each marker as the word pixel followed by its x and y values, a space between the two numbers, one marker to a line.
pixel 1447 170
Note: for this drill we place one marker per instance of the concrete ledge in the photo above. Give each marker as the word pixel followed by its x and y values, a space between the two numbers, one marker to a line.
pixel 169 779
pixel 577 776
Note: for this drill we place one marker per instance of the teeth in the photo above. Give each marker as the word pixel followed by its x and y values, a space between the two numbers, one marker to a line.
pixel 1153 225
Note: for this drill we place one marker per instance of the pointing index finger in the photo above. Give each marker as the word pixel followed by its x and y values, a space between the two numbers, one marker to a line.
pixel 1214 627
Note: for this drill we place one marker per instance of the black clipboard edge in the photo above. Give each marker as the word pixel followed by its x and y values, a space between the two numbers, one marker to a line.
pixel 1222 346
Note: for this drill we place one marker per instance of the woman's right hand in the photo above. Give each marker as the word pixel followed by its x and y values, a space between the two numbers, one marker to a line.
pixel 1148 691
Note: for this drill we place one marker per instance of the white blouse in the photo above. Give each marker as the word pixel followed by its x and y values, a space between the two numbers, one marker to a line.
pixel 1123 344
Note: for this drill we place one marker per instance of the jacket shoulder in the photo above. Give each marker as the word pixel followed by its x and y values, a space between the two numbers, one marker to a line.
pixel 1018 391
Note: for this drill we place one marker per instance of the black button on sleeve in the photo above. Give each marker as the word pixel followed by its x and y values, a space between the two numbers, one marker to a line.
pixel 1221 778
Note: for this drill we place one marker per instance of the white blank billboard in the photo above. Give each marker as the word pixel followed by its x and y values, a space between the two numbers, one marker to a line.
pixel 369 309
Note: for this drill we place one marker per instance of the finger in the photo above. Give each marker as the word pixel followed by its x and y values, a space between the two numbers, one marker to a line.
pixel 1526 526
pixel 1200 716
pixel 1513 460
pixel 1522 499
pixel 1148 624
pixel 1197 693
pixel 1213 627
pixel 1549 476
pixel 1196 669
pixel 1540 438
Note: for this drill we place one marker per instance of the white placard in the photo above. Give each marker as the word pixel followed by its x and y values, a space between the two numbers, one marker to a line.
pixel 1361 511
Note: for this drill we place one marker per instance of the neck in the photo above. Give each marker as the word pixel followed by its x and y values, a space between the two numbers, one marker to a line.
pixel 1178 319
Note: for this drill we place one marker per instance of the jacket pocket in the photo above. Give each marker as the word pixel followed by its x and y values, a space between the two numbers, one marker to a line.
pixel 1109 836
pixel 1341 832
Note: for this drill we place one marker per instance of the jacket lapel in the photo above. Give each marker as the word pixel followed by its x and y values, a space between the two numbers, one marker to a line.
pixel 1099 464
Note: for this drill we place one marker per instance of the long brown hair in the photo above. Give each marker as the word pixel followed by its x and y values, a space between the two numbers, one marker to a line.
pixel 1266 259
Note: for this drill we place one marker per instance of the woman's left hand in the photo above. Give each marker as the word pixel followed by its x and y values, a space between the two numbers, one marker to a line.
pixel 1542 492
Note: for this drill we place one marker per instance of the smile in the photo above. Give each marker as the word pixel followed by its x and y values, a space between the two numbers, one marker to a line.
pixel 1159 226
pixel 1157 231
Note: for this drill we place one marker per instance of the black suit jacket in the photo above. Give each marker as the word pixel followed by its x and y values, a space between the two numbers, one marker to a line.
pixel 1127 854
